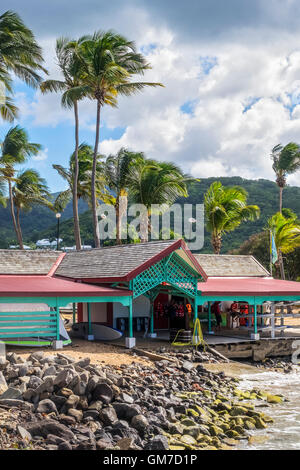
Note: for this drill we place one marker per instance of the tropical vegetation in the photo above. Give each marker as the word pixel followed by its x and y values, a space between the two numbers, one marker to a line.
pixel 225 209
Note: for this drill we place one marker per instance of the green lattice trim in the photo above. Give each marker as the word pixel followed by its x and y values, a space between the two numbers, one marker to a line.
pixel 172 270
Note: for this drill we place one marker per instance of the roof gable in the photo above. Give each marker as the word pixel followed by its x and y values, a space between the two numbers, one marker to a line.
pixel 119 262
pixel 231 266
pixel 27 262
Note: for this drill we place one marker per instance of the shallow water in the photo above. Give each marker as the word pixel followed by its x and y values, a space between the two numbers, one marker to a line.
pixel 284 433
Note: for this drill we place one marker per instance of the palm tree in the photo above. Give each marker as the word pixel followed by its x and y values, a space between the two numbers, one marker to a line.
pixel 225 209
pixel 2 192
pixel 29 189
pixel 85 164
pixel 117 168
pixel 108 63
pixel 16 148
pixel 72 93
pixel 286 232
pixel 20 55
pixel 151 182
pixel 286 160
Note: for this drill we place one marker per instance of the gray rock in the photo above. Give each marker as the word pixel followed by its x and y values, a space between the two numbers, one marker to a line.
pixel 125 411
pixel 72 401
pixel 3 384
pixel 46 386
pixel 103 392
pixel 34 382
pixel 140 423
pixel 124 397
pixel 187 366
pixel 77 414
pixel 45 427
pixel 11 402
pixel 64 377
pixel 159 442
pixel 12 393
pixel 108 416
pixel 83 363
pixel 24 434
pixel 23 370
pixel 46 406
pixel 50 371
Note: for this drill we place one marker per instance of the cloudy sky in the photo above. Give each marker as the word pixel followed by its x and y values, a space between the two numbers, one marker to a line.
pixel 231 71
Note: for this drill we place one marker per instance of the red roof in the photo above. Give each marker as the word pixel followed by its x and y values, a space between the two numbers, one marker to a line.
pixel 46 286
pixel 248 286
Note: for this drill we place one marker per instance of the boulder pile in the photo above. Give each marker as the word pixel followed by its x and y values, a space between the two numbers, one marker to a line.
pixel 56 403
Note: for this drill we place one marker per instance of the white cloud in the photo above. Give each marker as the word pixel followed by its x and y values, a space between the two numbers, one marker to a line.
pixel 41 156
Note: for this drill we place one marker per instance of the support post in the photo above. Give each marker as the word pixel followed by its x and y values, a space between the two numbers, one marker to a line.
pixel 152 334
pixel 130 340
pixel 74 313
pixel 57 343
pixel 195 308
pixel 210 332
pixel 90 332
pixel 255 335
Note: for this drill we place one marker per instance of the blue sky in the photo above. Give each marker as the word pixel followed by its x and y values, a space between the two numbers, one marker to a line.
pixel 231 72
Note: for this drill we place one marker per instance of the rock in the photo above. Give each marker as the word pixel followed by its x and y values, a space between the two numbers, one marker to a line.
pixel 83 362
pixel 77 414
pixel 3 384
pixel 125 411
pixel 125 398
pixel 103 444
pixel 50 371
pixel 252 440
pixel 126 443
pixel 46 406
pixel 103 392
pixel 187 366
pixel 64 446
pixel 12 402
pixel 273 399
pixel 46 386
pixel 24 434
pixel 23 370
pixel 188 440
pixel 108 416
pixel 140 423
pixel 72 401
pixel 64 377
pixel 12 393
pixel 45 427
pixel 34 382
pixel 159 442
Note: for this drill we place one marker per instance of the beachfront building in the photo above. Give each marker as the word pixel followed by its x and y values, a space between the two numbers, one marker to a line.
pixel 124 287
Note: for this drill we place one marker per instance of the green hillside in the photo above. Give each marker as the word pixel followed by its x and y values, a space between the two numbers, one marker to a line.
pixel 40 222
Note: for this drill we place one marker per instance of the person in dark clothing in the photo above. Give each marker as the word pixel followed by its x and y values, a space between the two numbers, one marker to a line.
pixel 216 309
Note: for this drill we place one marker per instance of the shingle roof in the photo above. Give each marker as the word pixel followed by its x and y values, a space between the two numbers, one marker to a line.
pixel 231 266
pixel 114 262
pixel 27 262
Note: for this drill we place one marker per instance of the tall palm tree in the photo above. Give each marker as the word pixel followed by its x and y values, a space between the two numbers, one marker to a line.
pixel 72 93
pixel 108 64
pixel 19 54
pixel 286 160
pixel 225 209
pixel 28 190
pixel 286 232
pixel 16 148
pixel 2 191
pixel 151 182
pixel 85 165
pixel 117 168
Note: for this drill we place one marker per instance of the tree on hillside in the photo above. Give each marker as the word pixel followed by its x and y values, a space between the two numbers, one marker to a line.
pixel 225 209
pixel 85 165
pixel 29 189
pixel 286 232
pixel 117 168
pixel 286 160
pixel 108 64
pixel 15 148
pixel 152 182
pixel 20 55
pixel 73 92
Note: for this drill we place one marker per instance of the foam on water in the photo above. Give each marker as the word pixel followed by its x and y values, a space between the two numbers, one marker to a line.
pixel 284 433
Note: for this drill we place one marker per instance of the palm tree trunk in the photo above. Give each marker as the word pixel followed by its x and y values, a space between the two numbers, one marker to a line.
pixel 216 242
pixel 12 211
pixel 280 199
pixel 20 238
pixel 75 182
pixel 281 265
pixel 93 189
